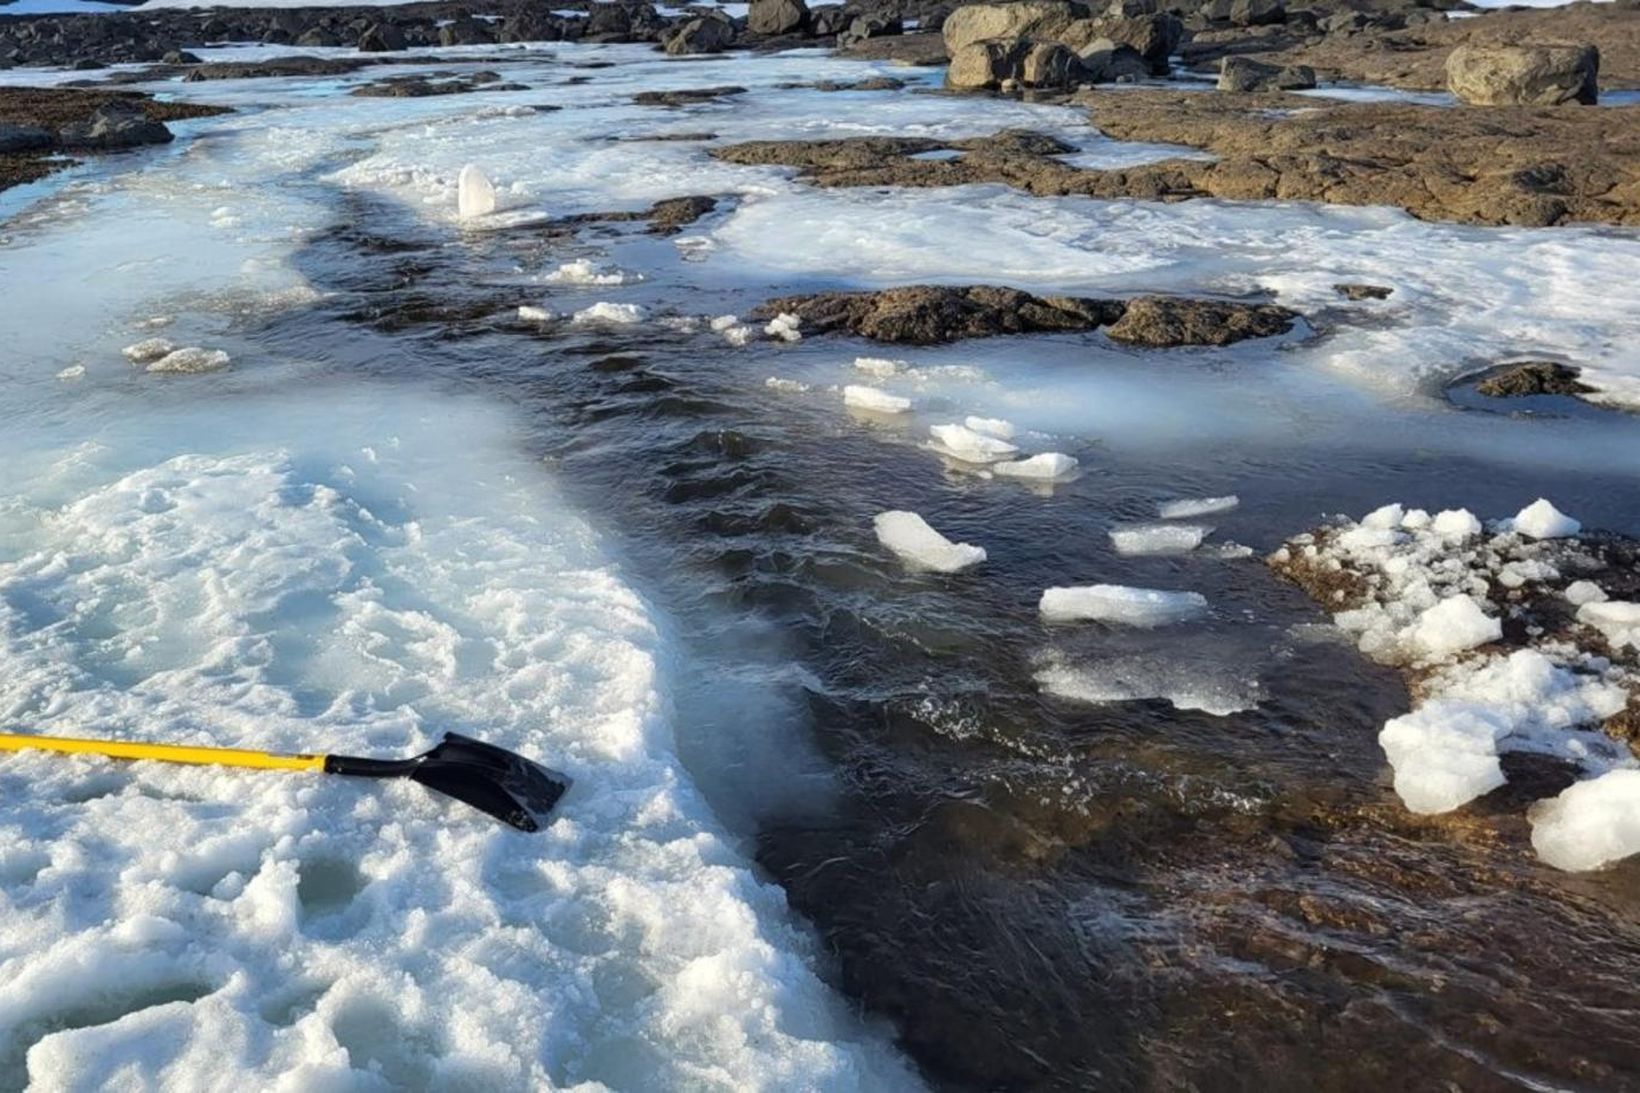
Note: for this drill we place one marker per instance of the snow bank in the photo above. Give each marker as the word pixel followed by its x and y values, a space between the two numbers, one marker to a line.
pixel 1044 467
pixel 403 574
pixel 1158 538
pixel 908 535
pixel 1186 508
pixel 1591 823
pixel 870 398
pixel 964 444
pixel 1120 604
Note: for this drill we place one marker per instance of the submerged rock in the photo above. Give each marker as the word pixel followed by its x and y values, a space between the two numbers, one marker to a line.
pixel 1533 378
pixel 1519 75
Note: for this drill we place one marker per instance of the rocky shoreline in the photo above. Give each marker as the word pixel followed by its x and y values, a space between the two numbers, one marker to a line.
pixel 41 129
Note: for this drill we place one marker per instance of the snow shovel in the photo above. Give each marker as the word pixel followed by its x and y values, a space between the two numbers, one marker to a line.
pixel 493 780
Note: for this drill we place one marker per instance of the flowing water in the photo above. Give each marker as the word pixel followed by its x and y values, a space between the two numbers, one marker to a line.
pixel 616 545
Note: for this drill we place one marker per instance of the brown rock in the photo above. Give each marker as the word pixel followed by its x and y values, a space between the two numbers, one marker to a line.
pixel 1041 19
pixel 1533 378
pixel 1162 321
pixel 1523 75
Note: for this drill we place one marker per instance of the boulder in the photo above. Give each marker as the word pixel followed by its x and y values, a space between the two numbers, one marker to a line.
pixel 831 20
pixel 179 57
pixel 984 65
pixel 113 126
pixel 864 27
pixel 1533 378
pixel 1052 65
pixel 381 38
pixel 774 17
pixel 1245 74
pixel 1164 321
pixel 1154 37
pixel 467 32
pixel 1105 61
pixel 23 138
pixel 709 34
pixel 318 38
pixel 608 21
pixel 1541 75
pixel 1041 19
pixel 1257 13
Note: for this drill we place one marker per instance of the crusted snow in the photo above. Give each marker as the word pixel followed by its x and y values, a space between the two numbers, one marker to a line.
pixel 1121 604
pixel 1185 508
pixel 910 536
pixel 1158 538
pixel 877 401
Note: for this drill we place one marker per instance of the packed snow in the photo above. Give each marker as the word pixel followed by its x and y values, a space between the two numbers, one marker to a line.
pixel 909 536
pixel 1120 604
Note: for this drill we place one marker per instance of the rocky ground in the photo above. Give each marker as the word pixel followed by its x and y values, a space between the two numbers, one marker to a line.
pixel 39 127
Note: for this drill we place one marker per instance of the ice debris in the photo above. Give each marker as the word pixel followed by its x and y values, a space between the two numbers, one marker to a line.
pixel 909 536
pixel 784 326
pixel 610 314
pixel 190 360
pixel 964 444
pixel 870 398
pixel 1158 538
pixel 475 196
pixel 149 349
pixel 1120 604
pixel 1185 508
pixel 1591 823
pixel 990 426
pixel 1541 520
pixel 1047 466
pixel 584 271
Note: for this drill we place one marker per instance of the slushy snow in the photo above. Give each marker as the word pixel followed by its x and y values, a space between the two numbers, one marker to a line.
pixel 909 536
pixel 1120 604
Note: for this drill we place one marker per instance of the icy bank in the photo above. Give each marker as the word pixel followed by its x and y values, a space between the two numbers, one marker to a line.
pixel 1433 595
pixel 403 573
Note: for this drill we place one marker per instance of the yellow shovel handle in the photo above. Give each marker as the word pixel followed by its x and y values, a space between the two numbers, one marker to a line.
pixel 164 753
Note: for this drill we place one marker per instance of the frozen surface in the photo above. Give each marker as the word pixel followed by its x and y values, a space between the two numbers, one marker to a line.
pixel 1120 604
pixel 1591 823
pixel 909 536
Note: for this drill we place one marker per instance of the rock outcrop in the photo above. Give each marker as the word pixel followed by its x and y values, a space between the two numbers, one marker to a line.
pixel 1524 75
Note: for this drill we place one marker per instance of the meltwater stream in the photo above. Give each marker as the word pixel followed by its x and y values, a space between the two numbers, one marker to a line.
pixel 617 547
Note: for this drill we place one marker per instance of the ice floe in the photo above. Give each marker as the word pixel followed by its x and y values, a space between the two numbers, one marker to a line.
pixel 990 426
pixel 147 350
pixel 874 400
pixel 191 359
pixel 1183 685
pixel 967 446
pixel 1045 467
pixel 584 271
pixel 610 314
pixel 1121 604
pixel 1187 508
pixel 1158 538
pixel 908 535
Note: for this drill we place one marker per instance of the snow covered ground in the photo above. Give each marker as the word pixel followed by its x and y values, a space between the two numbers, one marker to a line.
pixel 278 556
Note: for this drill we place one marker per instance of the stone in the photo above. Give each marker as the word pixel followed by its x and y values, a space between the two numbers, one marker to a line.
pixel 1041 19
pixel 986 65
pixel 709 34
pixel 1244 74
pixel 114 126
pixel 1051 65
pixel 1163 321
pixel 381 38
pixel 770 18
pixel 1257 13
pixel 1516 75
pixel 1533 378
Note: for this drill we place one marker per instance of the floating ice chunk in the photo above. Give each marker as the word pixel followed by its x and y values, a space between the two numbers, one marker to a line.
pixel 1582 592
pixel 870 398
pixel 880 367
pixel 1131 679
pixel 1455 524
pixel 610 314
pixel 991 426
pixel 149 349
pixel 738 335
pixel 584 271
pixel 1117 603
pixel 1541 520
pixel 474 194
pixel 1451 626
pixel 1617 620
pixel 1185 508
pixel 785 327
pixel 1046 466
pixel 1591 823
pixel 963 443
pixel 1158 538
pixel 190 360
pixel 155 322
pixel 1444 753
pixel 776 383
pixel 1228 550
pixel 724 322
pixel 909 536
pixel 531 314
pixel 72 372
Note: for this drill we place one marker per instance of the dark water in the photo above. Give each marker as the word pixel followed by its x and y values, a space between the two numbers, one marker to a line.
pixel 1039 894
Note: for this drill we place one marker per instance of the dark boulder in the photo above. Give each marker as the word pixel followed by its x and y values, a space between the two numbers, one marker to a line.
pixel 1246 75
pixel 114 126
pixel 708 34
pixel 1533 378
pixel 1161 321
pixel 381 38
pixel 770 18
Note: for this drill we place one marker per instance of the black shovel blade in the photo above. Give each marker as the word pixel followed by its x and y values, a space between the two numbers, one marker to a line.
pixel 493 780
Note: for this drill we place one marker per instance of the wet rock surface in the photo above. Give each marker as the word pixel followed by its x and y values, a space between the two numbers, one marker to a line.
pixel 935 314
pixel 36 123
pixel 1528 378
